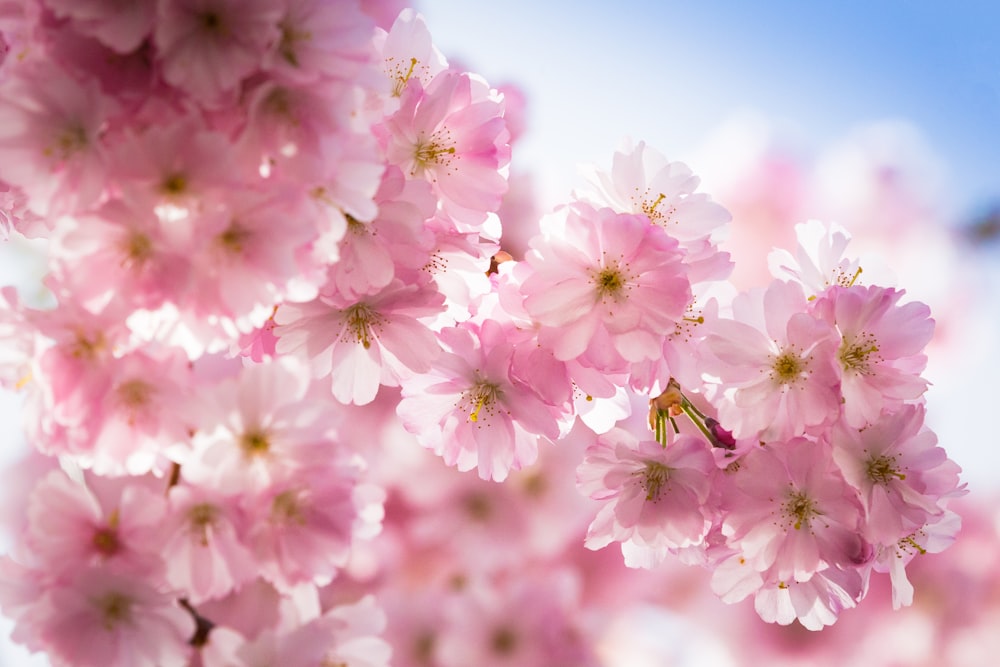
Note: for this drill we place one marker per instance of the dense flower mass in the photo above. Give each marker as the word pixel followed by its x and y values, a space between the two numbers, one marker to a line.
pixel 280 326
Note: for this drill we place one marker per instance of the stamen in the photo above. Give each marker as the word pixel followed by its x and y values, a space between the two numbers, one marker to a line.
pixel 882 470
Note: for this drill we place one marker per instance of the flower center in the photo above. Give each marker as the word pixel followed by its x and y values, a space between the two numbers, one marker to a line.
pixel 656 214
pixel 234 239
pixel 654 476
pixel 202 516
pixel 359 320
pixel 71 140
pixel 437 150
pixel 212 23
pixel 290 36
pixel 174 184
pixel 799 508
pixel 255 442
pixel 137 249
pixel 398 76
pixel 115 609
pixel 882 469
pixel 286 509
pixel 788 367
pixel 483 395
pixel 504 641
pixel 855 355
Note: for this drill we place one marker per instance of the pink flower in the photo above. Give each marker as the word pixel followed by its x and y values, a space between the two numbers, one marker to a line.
pixel 320 38
pixel 243 263
pixel 407 52
pixel 371 251
pixel 258 427
pixel 105 619
pixel 14 213
pixel 177 162
pixel 934 537
pixel 880 350
pixel 96 522
pixel 528 621
pixel 606 288
pixel 124 252
pixel 643 182
pixel 120 24
pixel 903 476
pixel 453 135
pixel 471 410
pixel 209 46
pixel 304 525
pixel 819 260
pixel 790 513
pixel 50 138
pixel 775 365
pixel 654 498
pixel 365 343
pixel 202 549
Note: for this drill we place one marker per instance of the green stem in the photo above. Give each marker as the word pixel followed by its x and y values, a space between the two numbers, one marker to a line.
pixel 695 415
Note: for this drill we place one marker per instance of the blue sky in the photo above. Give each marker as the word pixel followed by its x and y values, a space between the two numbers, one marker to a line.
pixel 670 72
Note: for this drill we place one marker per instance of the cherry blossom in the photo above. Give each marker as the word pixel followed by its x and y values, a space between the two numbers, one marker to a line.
pixel 296 292
pixel 605 287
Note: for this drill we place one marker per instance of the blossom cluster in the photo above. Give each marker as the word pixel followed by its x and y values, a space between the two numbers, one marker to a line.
pixel 278 273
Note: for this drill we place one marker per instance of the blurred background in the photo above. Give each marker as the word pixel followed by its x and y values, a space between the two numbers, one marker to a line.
pixel 881 116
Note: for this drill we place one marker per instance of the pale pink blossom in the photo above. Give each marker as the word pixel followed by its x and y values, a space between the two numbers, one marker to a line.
pixel 209 46
pixel 257 427
pixel 120 24
pixel 654 498
pixel 177 162
pixel 95 521
pixel 243 263
pixel 289 119
pixel 51 127
pixel 775 365
pixel 644 182
pixel 528 621
pixel 371 251
pixel 903 476
pixel 469 408
pixel 105 619
pixel 123 252
pixel 365 343
pixel 819 260
pixel 893 557
pixel 815 603
pixel 606 287
pixel 201 544
pixel 303 526
pixel 320 38
pixel 407 52
pixel 790 513
pixel 881 348
pixel 453 135
pixel 14 213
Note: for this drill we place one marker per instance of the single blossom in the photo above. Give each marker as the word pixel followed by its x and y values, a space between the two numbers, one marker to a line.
pixel 775 366
pixel 209 46
pixel 453 135
pixel 606 288
pixel 362 344
pixel 904 478
pixel 654 498
pixel 471 410
pixel 881 348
